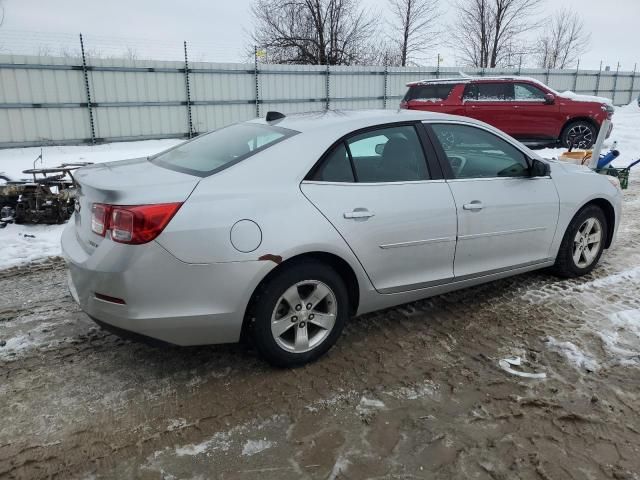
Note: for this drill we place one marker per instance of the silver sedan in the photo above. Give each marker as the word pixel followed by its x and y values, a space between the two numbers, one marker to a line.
pixel 280 229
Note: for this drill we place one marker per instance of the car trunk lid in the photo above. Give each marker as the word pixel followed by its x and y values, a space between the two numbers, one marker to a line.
pixel 127 182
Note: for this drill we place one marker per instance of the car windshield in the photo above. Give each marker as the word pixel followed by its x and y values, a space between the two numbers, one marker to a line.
pixel 217 150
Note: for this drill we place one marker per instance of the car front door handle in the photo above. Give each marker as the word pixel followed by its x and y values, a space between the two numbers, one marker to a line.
pixel 359 213
pixel 474 206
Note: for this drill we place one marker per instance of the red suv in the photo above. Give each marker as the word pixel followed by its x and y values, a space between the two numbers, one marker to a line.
pixel 524 108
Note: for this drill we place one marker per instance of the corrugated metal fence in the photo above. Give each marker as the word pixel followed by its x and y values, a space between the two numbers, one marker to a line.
pixel 54 100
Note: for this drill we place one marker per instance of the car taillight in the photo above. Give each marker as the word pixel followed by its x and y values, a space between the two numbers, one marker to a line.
pixel 134 224
pixel 99 218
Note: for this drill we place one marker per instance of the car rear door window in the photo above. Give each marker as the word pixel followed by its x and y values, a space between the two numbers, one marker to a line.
pixel 472 152
pixel 489 91
pixel 425 93
pixel 392 154
pixel 336 167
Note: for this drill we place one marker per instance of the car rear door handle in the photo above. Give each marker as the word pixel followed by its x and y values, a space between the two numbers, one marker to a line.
pixel 475 205
pixel 359 213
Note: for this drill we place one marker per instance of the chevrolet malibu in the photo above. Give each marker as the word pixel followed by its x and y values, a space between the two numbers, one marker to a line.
pixel 280 229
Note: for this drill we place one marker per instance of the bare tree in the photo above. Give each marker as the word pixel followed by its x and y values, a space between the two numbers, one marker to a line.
pixel 413 27
pixel 486 30
pixel 563 40
pixel 320 32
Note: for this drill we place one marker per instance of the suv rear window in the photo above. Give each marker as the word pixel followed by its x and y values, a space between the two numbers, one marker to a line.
pixel 217 150
pixel 428 92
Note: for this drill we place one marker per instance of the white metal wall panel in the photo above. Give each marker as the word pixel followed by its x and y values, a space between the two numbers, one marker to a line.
pixel 150 104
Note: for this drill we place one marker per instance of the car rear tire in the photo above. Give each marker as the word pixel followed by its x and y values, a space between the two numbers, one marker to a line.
pixel 582 244
pixel 579 134
pixel 299 314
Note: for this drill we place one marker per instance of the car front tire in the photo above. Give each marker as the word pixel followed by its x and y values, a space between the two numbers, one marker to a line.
pixel 582 244
pixel 299 314
pixel 579 134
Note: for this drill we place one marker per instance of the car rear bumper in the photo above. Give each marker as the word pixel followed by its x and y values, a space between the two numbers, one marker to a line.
pixel 145 290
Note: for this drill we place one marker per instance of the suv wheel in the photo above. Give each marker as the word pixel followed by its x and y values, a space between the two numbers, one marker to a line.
pixel 580 134
pixel 299 314
pixel 582 244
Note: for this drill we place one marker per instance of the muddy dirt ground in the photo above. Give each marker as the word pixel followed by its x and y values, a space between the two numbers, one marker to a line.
pixel 410 392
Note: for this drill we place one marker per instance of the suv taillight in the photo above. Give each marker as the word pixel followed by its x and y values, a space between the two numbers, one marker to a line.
pixel 132 224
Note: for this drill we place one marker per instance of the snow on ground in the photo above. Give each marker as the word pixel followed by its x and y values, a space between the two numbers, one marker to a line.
pixel 23 244
pixel 572 353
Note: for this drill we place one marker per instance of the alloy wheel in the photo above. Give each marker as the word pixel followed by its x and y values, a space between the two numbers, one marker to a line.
pixel 580 136
pixel 304 316
pixel 586 243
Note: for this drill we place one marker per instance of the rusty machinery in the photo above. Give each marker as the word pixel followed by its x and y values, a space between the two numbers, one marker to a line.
pixel 47 198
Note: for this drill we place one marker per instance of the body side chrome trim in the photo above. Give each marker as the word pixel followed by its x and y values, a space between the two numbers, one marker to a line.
pixel 498 234
pixel 413 243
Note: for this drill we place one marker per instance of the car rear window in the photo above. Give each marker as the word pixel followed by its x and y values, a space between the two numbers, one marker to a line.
pixel 217 150
pixel 426 93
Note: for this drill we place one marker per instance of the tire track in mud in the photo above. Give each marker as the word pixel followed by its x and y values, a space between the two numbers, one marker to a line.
pixel 95 404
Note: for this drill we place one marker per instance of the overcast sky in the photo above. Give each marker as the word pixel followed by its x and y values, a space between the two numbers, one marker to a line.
pixel 218 29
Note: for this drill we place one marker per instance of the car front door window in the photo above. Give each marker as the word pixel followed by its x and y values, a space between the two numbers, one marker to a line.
pixel 472 152
pixel 528 93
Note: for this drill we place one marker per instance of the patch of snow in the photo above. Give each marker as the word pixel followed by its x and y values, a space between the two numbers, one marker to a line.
pixel 572 353
pixel 176 423
pixel 630 275
pixel 251 447
pixel 23 244
pixel 20 344
pixel 225 441
pixel 332 401
pixel 339 468
pixel 368 405
pixel 577 97
pixel 219 442
pixel 620 335
pixel 424 389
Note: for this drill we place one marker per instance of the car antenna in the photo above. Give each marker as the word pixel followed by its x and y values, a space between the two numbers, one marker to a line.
pixel 271 116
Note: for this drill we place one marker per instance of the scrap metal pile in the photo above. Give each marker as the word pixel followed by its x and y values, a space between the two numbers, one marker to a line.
pixel 47 198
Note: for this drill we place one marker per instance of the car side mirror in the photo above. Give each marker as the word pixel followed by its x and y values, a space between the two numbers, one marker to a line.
pixel 549 98
pixel 380 148
pixel 538 168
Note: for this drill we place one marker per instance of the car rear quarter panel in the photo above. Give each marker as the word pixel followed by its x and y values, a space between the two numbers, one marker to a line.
pixel 265 190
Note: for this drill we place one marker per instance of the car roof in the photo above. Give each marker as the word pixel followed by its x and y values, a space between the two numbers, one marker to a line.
pixel 351 120
pixel 469 79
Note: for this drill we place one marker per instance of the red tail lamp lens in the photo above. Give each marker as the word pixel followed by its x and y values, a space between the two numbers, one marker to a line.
pixel 132 224
pixel 100 218
pixel 140 224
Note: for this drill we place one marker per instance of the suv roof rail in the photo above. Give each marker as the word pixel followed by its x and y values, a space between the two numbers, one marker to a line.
pixel 468 79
